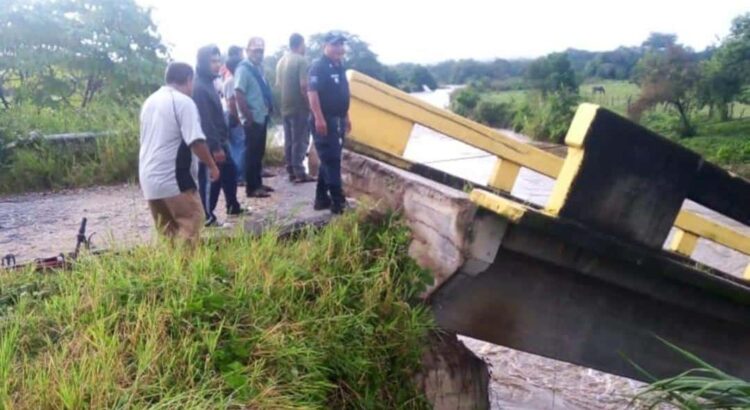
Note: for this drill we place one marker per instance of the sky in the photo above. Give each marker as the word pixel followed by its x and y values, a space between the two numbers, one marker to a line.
pixel 432 31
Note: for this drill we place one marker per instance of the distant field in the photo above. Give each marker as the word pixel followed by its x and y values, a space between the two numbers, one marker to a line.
pixel 616 96
pixel 726 143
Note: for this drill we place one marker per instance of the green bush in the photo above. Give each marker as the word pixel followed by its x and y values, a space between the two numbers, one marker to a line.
pixel 464 100
pixel 546 117
pixel 663 121
pixel 329 319
pixel 493 113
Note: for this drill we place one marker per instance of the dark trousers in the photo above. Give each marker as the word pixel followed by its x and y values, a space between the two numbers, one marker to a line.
pixel 209 191
pixel 296 142
pixel 329 150
pixel 255 140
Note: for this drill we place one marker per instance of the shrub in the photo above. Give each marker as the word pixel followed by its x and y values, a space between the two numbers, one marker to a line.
pixel 494 113
pixel 464 100
pixel 546 117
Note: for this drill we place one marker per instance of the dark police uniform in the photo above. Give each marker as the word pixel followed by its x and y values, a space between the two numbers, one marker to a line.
pixel 329 80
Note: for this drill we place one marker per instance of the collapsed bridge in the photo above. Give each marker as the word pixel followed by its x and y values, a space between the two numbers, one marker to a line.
pixel 586 278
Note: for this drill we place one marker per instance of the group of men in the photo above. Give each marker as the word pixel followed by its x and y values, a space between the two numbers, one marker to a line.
pixel 205 132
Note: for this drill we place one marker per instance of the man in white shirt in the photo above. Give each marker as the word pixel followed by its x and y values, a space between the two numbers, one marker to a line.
pixel 171 139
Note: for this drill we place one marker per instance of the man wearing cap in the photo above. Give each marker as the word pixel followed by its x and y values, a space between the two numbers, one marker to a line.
pixel 254 101
pixel 328 92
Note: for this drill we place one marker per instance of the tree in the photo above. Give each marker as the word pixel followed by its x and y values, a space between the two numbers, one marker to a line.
pixel 734 55
pixel 667 76
pixel 617 64
pixel 659 42
pixel 70 51
pixel 421 77
pixel 728 71
pixel 719 86
pixel 552 73
pixel 358 56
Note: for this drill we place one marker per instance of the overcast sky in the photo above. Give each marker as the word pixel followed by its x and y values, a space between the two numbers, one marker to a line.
pixel 431 31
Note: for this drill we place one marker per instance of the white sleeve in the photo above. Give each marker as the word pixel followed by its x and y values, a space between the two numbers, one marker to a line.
pixel 229 88
pixel 190 123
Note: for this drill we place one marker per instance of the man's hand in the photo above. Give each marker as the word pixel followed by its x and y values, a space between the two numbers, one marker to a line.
pixel 243 108
pixel 321 128
pixel 219 156
pixel 214 172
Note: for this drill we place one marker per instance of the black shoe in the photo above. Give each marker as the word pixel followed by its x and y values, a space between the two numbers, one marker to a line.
pixel 258 193
pixel 211 222
pixel 304 179
pixel 322 205
pixel 267 174
pixel 268 188
pixel 236 211
pixel 339 208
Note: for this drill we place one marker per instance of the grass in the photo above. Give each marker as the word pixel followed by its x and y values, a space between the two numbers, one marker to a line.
pixel 44 166
pixel 616 98
pixel 724 143
pixel 324 320
pixel 703 387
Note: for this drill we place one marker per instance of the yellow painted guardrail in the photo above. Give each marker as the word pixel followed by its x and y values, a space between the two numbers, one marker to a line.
pixel 385 116
pixel 691 226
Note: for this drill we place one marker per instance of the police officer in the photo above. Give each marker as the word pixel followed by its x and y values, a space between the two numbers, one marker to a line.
pixel 328 92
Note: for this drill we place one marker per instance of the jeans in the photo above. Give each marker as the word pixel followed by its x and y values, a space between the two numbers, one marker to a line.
pixel 237 149
pixel 329 150
pixel 296 143
pixel 209 191
pixel 255 142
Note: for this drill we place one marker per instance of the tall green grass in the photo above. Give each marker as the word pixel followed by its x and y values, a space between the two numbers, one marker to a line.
pixel 43 165
pixel 328 319
pixel 703 387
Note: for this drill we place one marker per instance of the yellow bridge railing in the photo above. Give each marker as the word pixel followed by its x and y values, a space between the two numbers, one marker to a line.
pixel 384 117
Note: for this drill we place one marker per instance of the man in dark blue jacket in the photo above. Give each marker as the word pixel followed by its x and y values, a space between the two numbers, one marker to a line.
pixel 215 128
pixel 328 92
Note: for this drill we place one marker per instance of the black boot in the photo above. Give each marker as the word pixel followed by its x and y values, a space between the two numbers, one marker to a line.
pixel 322 200
pixel 323 204
pixel 338 200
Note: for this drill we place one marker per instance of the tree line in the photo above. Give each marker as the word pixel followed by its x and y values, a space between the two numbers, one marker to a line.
pixel 72 52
